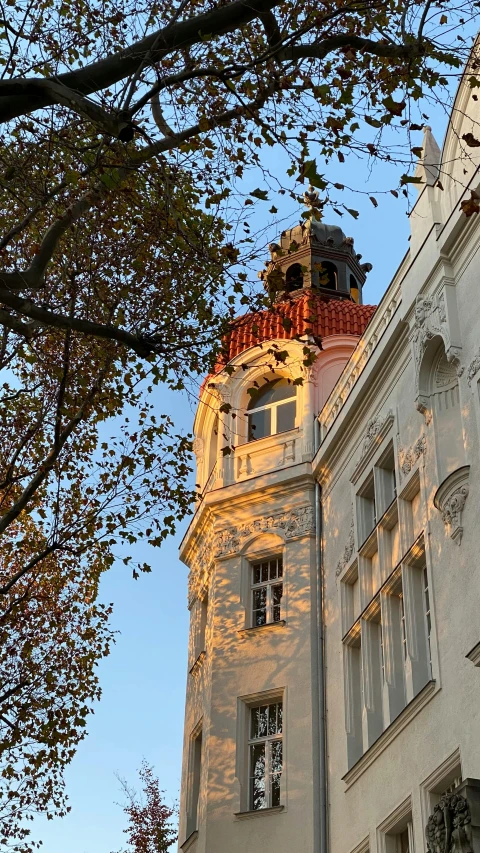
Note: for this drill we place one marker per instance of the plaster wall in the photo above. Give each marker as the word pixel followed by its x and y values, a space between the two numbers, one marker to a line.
pixel 395 768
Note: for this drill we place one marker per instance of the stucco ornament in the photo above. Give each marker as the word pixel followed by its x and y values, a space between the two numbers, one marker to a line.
pixel 408 458
pixel 348 551
pixel 198 448
pixel 450 499
pixel 449 827
pixel 201 567
pixel 297 522
pixel 374 427
pixel 474 367
pixel 431 320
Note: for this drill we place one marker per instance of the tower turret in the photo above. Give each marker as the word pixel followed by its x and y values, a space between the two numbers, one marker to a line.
pixel 317 256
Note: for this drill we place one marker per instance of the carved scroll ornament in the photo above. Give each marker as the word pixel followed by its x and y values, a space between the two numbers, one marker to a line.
pixel 449 827
pixel 408 458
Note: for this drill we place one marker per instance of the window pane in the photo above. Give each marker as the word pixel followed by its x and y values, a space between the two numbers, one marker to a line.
pixel 256 573
pixel 275 790
pixel 286 416
pixel 259 424
pixel 259 721
pixel 273 569
pixel 257 776
pixel 259 610
pixel 277 592
pixel 280 568
pixel 275 718
pixel 273 392
pixel 264 572
pixel 276 771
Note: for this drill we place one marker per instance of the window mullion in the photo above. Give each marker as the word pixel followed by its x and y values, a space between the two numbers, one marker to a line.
pixel 267 772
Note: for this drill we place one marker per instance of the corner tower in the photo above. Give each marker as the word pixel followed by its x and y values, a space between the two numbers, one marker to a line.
pixel 251 750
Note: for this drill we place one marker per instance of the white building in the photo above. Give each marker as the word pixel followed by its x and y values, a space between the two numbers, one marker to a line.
pixel 332 694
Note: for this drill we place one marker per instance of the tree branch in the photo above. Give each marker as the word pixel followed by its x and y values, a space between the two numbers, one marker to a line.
pixel 18 97
pixel 60 321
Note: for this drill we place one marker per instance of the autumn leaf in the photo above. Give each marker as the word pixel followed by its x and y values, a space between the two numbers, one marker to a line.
pixel 471 140
pixel 471 205
pixel 394 107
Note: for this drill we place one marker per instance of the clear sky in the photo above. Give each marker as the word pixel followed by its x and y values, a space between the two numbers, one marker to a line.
pixel 141 711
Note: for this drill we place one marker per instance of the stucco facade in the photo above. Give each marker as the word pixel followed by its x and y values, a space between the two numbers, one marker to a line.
pixel 365 514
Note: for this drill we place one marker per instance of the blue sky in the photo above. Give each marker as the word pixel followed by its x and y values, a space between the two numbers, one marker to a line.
pixel 141 711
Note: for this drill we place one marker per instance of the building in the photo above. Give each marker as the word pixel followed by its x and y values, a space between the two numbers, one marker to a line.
pixel 333 699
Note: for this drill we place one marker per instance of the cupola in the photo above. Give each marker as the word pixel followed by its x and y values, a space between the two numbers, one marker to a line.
pixel 316 256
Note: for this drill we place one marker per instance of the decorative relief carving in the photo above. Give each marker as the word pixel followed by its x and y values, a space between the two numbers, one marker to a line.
pixel 449 828
pixel 408 458
pixel 452 512
pixel 297 522
pixel 349 549
pixel 473 368
pixel 201 568
pixel 377 428
pixel 450 499
pixel 374 426
pixel 198 448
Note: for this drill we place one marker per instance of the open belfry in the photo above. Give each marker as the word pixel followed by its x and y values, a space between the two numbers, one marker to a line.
pixel 333 688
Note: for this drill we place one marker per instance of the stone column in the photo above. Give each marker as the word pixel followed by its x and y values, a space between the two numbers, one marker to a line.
pixel 308 414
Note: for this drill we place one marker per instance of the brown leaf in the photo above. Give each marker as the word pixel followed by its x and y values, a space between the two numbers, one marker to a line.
pixel 471 141
pixel 471 205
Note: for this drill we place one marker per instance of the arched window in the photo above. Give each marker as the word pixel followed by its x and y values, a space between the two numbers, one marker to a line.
pixel 447 415
pixel 354 289
pixel 328 275
pixel 294 278
pixel 272 409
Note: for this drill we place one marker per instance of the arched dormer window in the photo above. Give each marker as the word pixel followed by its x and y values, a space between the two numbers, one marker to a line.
pixel 328 275
pixel 272 409
pixel 294 278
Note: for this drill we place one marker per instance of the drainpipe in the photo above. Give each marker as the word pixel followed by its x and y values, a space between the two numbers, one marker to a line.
pixel 322 752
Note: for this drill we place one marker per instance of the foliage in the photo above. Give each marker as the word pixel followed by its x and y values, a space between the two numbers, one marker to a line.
pixel 150 828
pixel 126 133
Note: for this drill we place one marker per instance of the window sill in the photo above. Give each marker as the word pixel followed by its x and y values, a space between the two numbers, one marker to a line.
pixel 189 841
pixel 390 733
pixel 198 663
pixel 268 626
pixel 268 440
pixel 258 812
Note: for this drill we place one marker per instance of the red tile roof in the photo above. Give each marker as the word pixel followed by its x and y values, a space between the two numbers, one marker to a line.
pixel 308 313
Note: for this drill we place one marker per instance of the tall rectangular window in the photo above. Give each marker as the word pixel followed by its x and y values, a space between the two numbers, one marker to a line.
pixel 267 592
pixel 194 781
pixel 265 755
pixel 428 615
